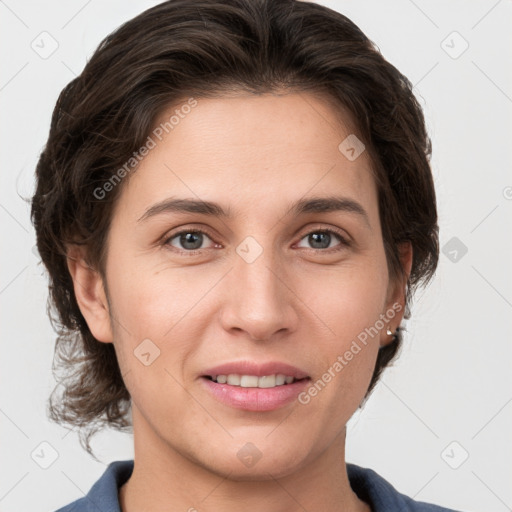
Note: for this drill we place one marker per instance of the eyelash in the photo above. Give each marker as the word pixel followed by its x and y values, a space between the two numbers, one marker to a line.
pixel 344 243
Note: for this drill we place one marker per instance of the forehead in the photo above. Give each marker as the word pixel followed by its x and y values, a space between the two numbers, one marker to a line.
pixel 251 150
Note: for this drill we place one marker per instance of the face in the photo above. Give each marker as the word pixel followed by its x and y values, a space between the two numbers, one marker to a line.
pixel 289 280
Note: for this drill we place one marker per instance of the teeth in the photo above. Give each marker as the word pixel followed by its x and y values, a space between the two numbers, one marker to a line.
pixel 268 381
pixel 280 379
pixel 248 381
pixel 233 379
pixel 253 381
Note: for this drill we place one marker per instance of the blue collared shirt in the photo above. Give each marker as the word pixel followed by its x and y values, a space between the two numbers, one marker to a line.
pixel 366 483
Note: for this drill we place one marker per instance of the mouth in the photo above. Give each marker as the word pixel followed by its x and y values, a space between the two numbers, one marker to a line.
pixel 254 386
pixel 255 381
pixel 249 386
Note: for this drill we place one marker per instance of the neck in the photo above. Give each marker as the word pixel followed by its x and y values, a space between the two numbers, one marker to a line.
pixel 165 480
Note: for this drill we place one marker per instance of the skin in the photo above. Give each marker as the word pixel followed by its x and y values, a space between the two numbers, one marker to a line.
pixel 295 303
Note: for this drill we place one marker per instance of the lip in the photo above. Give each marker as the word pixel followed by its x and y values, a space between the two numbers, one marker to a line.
pixel 257 369
pixel 255 399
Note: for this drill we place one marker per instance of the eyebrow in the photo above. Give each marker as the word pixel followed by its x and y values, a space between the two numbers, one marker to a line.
pixel 301 207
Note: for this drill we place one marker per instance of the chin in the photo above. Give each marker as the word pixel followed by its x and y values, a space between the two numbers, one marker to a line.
pixel 262 471
pixel 253 461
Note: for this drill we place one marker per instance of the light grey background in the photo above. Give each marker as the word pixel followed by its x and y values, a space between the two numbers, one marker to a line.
pixel 452 382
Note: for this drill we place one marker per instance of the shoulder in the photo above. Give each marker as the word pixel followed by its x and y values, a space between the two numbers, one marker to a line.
pixel 104 493
pixel 382 496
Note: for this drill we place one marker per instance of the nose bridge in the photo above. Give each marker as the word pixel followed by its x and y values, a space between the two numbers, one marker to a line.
pixel 255 271
pixel 258 301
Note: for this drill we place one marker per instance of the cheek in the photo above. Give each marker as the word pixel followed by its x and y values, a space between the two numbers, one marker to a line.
pixel 349 299
pixel 151 300
pixel 349 304
pixel 346 352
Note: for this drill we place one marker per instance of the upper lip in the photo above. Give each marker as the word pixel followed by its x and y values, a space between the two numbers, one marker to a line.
pixel 257 369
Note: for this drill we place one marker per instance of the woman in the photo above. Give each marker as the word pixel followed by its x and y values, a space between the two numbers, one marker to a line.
pixel 235 206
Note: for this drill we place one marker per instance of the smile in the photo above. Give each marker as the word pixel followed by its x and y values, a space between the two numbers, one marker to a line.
pixel 253 381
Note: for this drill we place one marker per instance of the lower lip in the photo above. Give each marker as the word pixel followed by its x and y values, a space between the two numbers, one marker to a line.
pixel 255 399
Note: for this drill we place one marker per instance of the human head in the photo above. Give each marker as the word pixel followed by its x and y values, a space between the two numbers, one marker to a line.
pixel 205 49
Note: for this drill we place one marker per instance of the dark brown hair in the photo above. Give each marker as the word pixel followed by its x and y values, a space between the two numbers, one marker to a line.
pixel 183 48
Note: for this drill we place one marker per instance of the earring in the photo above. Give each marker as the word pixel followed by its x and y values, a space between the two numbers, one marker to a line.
pixel 394 334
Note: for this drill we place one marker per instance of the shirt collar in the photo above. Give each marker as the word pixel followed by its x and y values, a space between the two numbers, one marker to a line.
pixel 366 483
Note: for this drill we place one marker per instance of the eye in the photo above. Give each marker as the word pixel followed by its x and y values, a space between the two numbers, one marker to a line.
pixel 321 239
pixel 188 240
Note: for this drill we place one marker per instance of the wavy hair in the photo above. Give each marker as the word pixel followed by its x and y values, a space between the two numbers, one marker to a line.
pixel 204 48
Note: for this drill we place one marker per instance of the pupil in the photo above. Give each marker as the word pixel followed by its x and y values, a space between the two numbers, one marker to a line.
pixel 191 238
pixel 320 240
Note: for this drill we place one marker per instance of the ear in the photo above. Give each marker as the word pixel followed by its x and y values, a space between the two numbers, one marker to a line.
pixel 396 294
pixel 90 294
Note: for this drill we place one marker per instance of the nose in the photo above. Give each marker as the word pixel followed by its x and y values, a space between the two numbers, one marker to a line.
pixel 260 300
